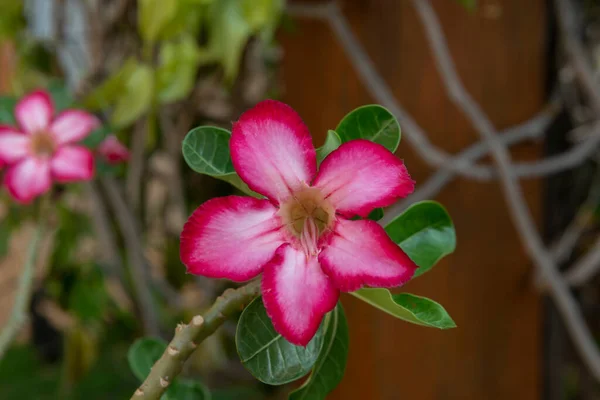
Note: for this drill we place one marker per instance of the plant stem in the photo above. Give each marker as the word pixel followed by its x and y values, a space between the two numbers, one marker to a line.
pixel 19 311
pixel 187 337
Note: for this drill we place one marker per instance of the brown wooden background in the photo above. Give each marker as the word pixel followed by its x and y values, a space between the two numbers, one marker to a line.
pixel 499 50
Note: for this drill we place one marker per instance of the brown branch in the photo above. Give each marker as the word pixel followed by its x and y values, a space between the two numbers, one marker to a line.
pixel 137 163
pixel 187 337
pixel 566 304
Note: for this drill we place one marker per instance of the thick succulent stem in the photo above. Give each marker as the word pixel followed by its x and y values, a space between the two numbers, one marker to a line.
pixel 187 337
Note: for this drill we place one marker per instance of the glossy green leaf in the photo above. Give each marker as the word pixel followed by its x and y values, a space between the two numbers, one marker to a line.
pixel 142 355
pixel 229 34
pixel 331 364
pixel 332 142
pixel 206 151
pixel 185 389
pixel 7 107
pixel 376 214
pixel 425 232
pixel 137 98
pixel 408 307
pixel 266 354
pixel 371 122
pixel 153 16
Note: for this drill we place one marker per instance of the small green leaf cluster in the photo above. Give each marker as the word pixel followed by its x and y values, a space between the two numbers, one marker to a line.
pixel 424 231
pixel 179 37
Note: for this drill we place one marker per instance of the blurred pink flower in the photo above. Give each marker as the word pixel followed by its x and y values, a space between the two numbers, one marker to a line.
pixel 301 237
pixel 113 151
pixel 43 148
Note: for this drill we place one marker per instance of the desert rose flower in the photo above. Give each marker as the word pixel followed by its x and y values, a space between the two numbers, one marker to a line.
pixel 43 148
pixel 301 237
pixel 113 151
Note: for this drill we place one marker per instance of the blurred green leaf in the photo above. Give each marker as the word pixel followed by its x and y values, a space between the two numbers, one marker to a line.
pixel 468 4
pixel 153 16
pixel 425 232
pixel 263 16
pixel 137 98
pixel 94 139
pixel 11 18
pixel 236 393
pixel 408 307
pixel 176 75
pixel 81 351
pixel 7 107
pixel 61 96
pixel 88 298
pixel 142 355
pixel 331 364
pixel 229 33
pixel 185 389
pixel 266 354
pixel 5 230
pixel 107 93
pixel 332 142
pixel 206 151
pixel 371 122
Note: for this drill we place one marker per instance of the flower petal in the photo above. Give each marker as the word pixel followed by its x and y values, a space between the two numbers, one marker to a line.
pixel 73 125
pixel 34 111
pixel 359 253
pixel 231 237
pixel 272 151
pixel 113 151
pixel 72 163
pixel 28 179
pixel 297 294
pixel 14 145
pixel 361 175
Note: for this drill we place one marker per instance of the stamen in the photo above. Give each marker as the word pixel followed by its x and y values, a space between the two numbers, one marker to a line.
pixel 309 237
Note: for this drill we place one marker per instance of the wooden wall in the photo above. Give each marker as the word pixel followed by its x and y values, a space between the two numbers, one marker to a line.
pixel 499 50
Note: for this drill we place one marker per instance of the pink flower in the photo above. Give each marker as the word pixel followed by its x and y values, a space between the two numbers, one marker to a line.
pixel 43 148
pixel 113 151
pixel 300 238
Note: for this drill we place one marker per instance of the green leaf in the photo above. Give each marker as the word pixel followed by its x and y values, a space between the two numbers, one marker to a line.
pixel 331 364
pixel 468 4
pixel 185 389
pixel 88 298
pixel 7 107
pixel 425 232
pixel 111 90
pixel 371 122
pixel 332 142
pixel 376 214
pixel 6 228
pixel 61 96
pixel 408 307
pixel 137 98
pixel 229 34
pixel 94 139
pixel 236 393
pixel 153 16
pixel 176 75
pixel 142 355
pixel 11 18
pixel 266 354
pixel 206 151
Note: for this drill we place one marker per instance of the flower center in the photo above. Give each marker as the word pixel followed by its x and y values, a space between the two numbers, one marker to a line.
pixel 306 215
pixel 43 144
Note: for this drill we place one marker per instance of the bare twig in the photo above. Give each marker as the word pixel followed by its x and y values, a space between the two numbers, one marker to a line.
pixel 137 162
pixel 109 255
pixel 531 129
pixel 18 314
pixel 187 337
pixel 135 256
pixel 566 304
pixel 379 90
